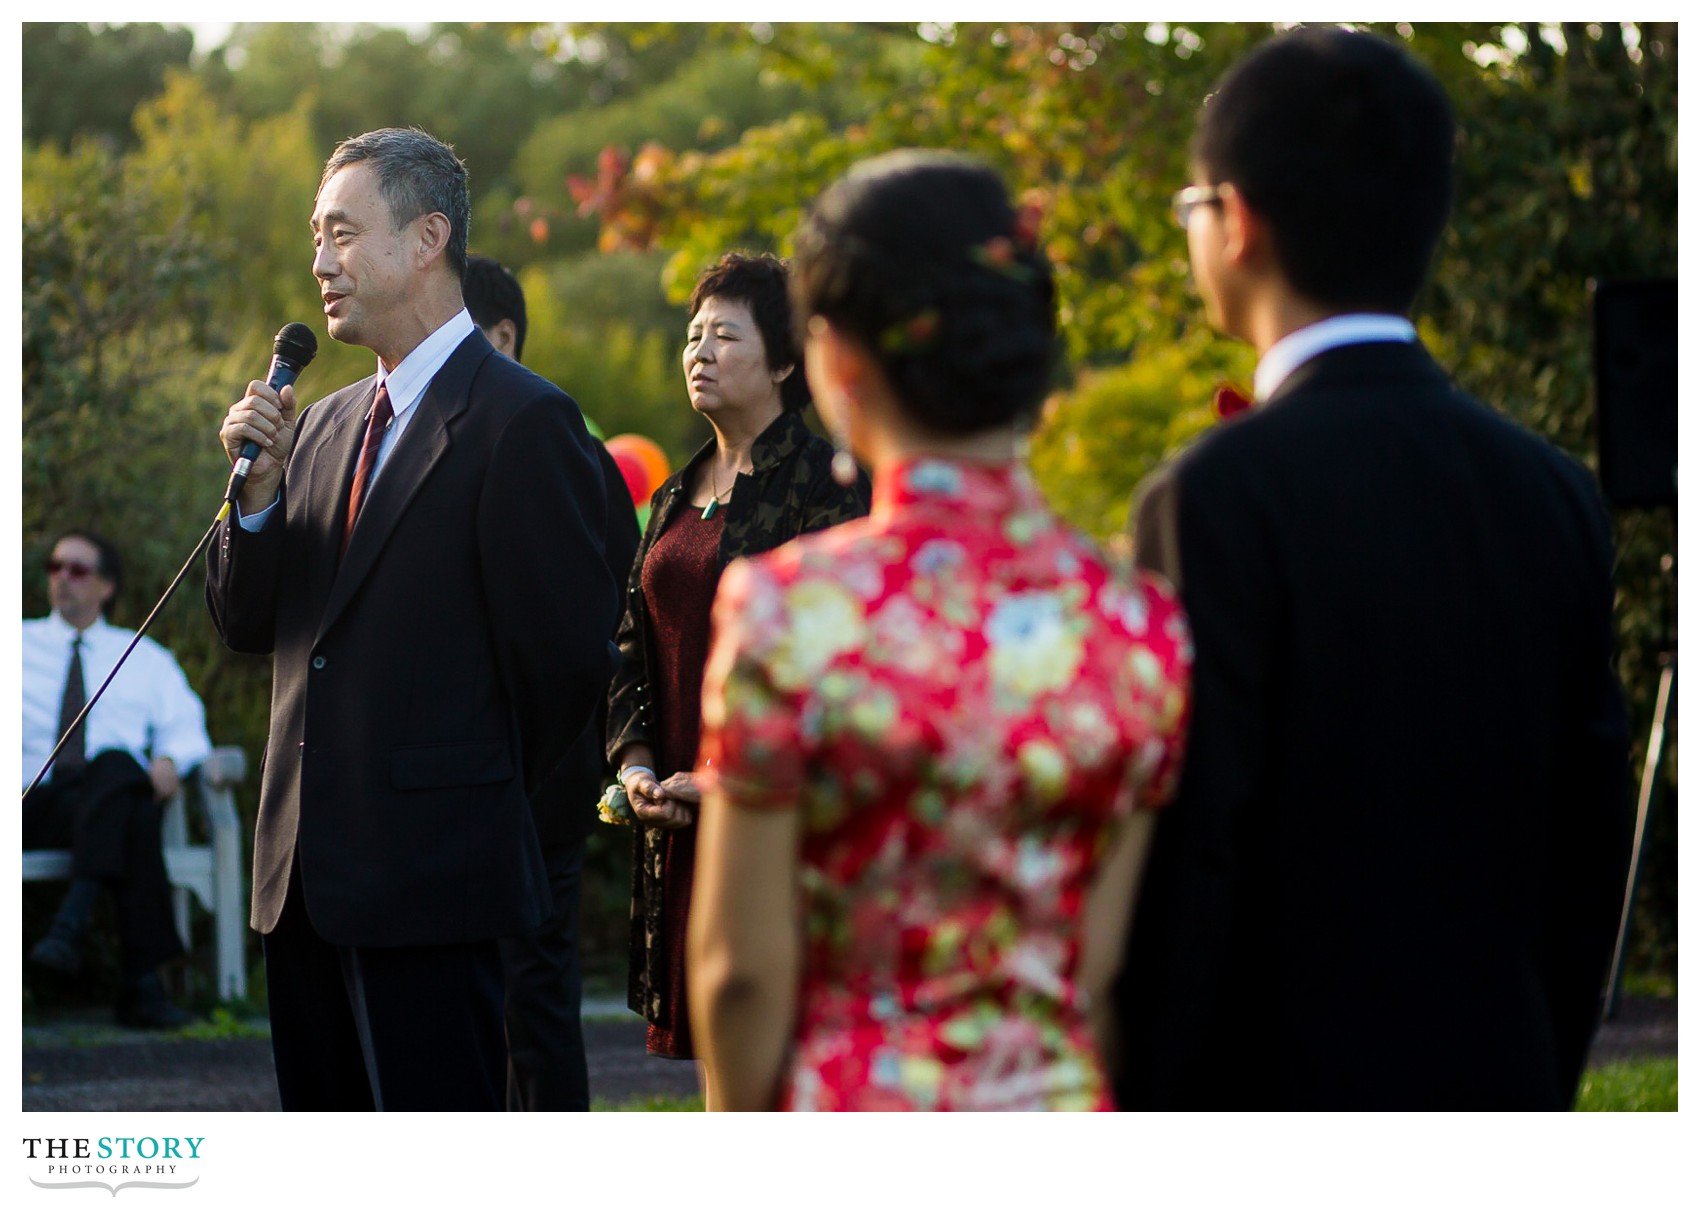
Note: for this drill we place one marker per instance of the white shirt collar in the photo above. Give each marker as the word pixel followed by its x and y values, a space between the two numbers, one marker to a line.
pixel 62 626
pixel 1300 346
pixel 414 373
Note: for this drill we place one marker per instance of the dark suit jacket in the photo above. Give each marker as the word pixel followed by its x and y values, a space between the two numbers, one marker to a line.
pixel 565 807
pixel 426 685
pixel 1392 875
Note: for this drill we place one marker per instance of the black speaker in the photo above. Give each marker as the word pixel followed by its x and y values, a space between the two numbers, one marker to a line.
pixel 1635 389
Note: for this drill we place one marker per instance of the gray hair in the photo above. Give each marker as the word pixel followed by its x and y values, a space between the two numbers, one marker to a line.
pixel 417 174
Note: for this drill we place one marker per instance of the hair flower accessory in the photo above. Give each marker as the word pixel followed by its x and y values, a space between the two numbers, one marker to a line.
pixel 913 335
pixel 999 255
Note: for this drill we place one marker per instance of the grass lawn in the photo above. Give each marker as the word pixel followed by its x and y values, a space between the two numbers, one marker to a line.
pixel 1647 1085
pixel 652 1103
pixel 1644 1085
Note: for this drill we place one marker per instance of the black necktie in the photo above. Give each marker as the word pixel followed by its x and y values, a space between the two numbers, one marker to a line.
pixel 73 756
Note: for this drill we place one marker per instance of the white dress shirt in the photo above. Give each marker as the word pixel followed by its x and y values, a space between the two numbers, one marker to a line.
pixel 148 711
pixel 1300 346
pixel 407 383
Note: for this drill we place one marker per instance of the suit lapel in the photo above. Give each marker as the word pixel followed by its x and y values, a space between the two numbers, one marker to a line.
pixel 424 442
pixel 327 475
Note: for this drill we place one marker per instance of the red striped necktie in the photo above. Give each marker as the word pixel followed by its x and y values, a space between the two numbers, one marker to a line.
pixel 376 423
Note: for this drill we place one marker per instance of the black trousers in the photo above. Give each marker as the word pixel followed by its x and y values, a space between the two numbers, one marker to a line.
pixel 546 1064
pixel 105 814
pixel 415 1029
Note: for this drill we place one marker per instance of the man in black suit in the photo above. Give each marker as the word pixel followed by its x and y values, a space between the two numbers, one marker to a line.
pixel 421 553
pixel 1393 872
pixel 541 970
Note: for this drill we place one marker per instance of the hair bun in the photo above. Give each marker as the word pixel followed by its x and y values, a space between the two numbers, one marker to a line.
pixel 921 257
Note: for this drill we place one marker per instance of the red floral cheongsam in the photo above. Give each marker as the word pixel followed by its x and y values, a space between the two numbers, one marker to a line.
pixel 961 697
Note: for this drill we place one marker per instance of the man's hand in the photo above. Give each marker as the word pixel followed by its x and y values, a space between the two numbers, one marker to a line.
pixel 267 417
pixel 163 772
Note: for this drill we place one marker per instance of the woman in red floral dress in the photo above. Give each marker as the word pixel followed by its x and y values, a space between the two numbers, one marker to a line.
pixel 932 738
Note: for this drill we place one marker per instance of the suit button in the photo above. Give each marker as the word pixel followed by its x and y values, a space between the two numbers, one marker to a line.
pixel 319 662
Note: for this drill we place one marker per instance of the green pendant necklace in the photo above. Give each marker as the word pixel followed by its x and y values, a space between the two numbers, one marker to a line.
pixel 714 491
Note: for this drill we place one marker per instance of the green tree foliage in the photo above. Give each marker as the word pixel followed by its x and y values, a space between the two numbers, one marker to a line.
pixel 1112 428
pixel 479 87
pixel 152 284
pixel 600 327
pixel 79 80
pixel 1567 172
pixel 165 202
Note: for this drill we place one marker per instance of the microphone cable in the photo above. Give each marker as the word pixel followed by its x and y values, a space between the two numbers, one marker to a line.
pixel 292 349
pixel 176 581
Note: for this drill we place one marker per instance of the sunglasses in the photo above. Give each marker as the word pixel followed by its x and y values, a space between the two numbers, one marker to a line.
pixel 73 569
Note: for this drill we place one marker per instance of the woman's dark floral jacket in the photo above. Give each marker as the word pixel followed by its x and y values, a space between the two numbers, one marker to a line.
pixel 789 492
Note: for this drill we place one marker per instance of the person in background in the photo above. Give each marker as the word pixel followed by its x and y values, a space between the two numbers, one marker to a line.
pixel 763 479
pixel 421 554
pixel 102 798
pixel 933 740
pixel 542 971
pixel 1393 873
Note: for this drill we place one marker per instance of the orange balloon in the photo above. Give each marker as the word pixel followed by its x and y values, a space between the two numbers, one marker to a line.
pixel 653 458
pixel 636 476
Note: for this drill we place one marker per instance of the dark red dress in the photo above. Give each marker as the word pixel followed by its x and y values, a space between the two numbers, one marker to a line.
pixel 679 580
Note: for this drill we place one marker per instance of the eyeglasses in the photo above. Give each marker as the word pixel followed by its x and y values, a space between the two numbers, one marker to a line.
pixel 73 569
pixel 1192 197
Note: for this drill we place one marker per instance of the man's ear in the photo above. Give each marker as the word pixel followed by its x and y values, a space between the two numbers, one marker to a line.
pixel 1245 236
pixel 503 335
pixel 434 231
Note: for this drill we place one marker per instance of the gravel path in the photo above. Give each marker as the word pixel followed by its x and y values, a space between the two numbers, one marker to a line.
pixel 81 1063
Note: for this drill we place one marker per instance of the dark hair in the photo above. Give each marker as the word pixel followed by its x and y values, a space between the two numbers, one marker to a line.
pixel 492 295
pixel 758 281
pixel 417 174
pixel 108 563
pixel 920 258
pixel 1343 143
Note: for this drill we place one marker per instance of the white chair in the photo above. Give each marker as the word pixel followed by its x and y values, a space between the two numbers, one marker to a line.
pixel 213 873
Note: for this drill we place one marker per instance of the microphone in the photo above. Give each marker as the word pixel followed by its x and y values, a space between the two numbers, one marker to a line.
pixel 292 349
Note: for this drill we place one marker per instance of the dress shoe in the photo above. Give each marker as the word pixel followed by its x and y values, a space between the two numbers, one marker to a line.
pixel 61 949
pixel 58 950
pixel 144 1004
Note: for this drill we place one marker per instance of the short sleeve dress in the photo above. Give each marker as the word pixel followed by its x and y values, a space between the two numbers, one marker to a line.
pixel 960 695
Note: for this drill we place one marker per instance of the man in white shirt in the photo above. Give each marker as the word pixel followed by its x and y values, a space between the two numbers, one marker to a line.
pixel 102 798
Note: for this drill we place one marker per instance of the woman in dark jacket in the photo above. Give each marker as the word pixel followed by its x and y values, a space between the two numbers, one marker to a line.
pixel 763 479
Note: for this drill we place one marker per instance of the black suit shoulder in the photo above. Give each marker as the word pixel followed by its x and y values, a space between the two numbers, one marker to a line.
pixel 1350 411
pixel 511 384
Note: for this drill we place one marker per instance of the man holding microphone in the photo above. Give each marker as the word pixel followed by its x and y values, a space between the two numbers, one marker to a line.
pixel 421 553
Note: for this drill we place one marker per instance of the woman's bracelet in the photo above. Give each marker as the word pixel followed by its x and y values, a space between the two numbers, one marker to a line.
pixel 621 776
